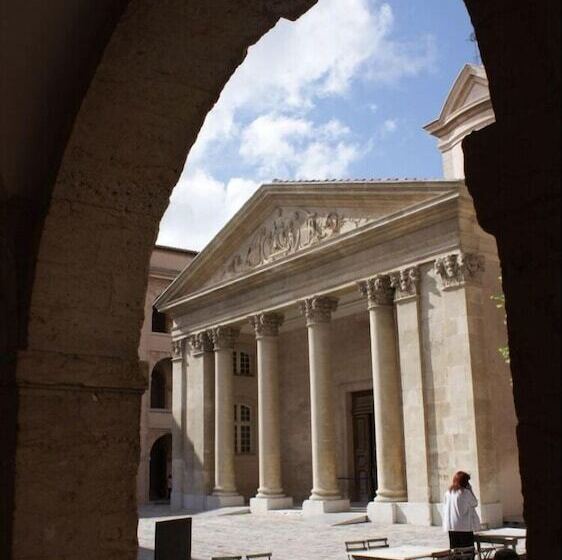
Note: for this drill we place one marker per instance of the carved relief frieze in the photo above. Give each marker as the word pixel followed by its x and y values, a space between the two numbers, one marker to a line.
pixel 378 290
pixel 200 343
pixel 224 337
pixel 286 233
pixel 458 269
pixel 318 309
pixel 405 283
pixel 266 324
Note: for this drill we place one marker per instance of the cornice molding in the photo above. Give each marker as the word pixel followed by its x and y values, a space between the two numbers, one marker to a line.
pixel 398 224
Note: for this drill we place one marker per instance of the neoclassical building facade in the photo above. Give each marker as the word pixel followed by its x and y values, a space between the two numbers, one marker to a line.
pixel 156 405
pixel 337 343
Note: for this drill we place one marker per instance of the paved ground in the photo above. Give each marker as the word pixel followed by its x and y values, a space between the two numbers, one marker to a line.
pixel 286 534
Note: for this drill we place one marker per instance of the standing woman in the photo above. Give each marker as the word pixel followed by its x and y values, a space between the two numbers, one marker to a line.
pixel 459 514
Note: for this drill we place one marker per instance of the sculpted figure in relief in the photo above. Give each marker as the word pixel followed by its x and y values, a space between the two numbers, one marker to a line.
pixel 285 235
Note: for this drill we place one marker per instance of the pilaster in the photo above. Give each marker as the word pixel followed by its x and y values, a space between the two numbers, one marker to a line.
pixel 406 284
pixel 470 396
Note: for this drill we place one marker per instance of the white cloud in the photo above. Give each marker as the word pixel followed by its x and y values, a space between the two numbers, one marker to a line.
pixel 281 146
pixel 264 120
pixel 319 55
pixel 200 206
pixel 390 125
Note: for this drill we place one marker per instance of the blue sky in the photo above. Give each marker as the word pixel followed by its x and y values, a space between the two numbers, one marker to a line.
pixel 342 93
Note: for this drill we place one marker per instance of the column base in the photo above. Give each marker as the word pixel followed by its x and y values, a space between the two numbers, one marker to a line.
pixel 311 508
pixel 217 502
pixel 382 512
pixel 263 505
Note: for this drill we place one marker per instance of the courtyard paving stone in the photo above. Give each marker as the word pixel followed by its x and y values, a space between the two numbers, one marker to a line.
pixel 286 534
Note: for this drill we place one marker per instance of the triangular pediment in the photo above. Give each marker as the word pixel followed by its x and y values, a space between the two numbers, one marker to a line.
pixel 291 230
pixel 284 221
pixel 469 89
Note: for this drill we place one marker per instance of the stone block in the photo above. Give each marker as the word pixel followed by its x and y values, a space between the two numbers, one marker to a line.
pixel 263 505
pixel 417 513
pixel 311 508
pixel 382 512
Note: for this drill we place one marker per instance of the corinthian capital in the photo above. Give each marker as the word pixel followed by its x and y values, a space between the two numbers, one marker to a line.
pixel 458 269
pixel 378 290
pixel 200 343
pixel 405 283
pixel 318 309
pixel 177 349
pixel 266 324
pixel 224 337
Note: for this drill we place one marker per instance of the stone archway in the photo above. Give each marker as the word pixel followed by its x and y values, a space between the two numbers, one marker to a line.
pixel 160 468
pixel 161 385
pixel 72 373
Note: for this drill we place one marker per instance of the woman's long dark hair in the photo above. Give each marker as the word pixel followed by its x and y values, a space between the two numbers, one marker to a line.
pixel 460 481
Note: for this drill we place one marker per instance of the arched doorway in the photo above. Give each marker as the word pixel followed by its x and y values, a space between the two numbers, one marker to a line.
pixel 161 385
pixel 160 468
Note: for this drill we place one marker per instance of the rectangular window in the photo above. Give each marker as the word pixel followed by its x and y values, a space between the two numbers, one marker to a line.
pixel 243 429
pixel 245 364
pixel 235 363
pixel 245 439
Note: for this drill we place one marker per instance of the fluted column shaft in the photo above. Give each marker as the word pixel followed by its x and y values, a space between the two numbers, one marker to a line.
pixel 318 312
pixel 389 431
pixel 223 343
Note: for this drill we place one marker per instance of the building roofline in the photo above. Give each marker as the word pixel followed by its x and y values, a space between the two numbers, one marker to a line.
pixel 169 249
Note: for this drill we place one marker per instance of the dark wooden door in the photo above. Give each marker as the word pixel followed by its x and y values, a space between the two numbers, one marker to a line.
pixel 364 447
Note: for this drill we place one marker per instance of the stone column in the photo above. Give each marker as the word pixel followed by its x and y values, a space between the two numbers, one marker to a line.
pixel 406 284
pixel 224 493
pixel 178 427
pixel 200 422
pixel 325 496
pixel 270 492
pixel 389 431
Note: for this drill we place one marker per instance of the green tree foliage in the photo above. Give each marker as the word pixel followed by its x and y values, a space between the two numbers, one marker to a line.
pixel 500 304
